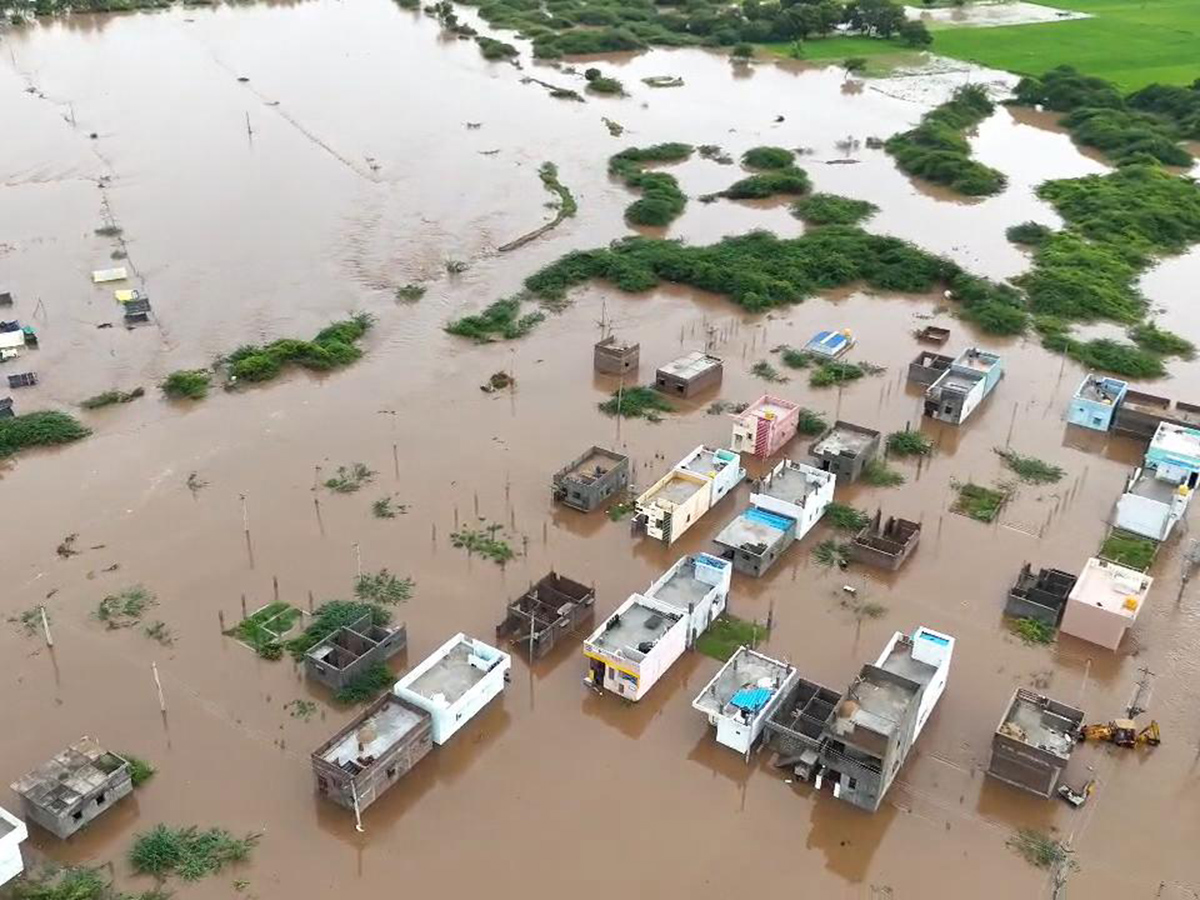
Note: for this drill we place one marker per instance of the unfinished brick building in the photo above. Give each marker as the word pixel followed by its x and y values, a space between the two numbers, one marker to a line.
pixel 355 766
pixel 351 650
pixel 548 611
pixel 888 545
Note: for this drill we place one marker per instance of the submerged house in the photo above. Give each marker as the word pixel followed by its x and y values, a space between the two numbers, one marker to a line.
pixel 689 374
pixel 1042 596
pixel 636 645
pixel 548 611
pixel 455 682
pixel 351 650
pixel 590 479
pixel 1140 414
pixel 1105 602
pixel 830 344
pixel 12 833
pixel 885 545
pixel 928 367
pixel 1096 402
pixel 75 787
pixel 845 449
pixel 798 725
pixel 742 696
pixel 371 754
pixel 1033 742
pixel 784 506
pixel 765 426
pixel 693 486
pixel 1157 494
pixel 613 357
pixel 963 386
pixel 881 716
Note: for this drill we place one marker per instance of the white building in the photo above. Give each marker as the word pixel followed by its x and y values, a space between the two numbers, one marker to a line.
pixel 636 645
pixel 784 506
pixel 12 833
pixel 743 695
pixel 1151 506
pixel 1105 602
pixel 693 486
pixel 455 682
pixel 961 388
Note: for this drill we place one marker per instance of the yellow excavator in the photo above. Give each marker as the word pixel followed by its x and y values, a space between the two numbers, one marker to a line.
pixel 1123 733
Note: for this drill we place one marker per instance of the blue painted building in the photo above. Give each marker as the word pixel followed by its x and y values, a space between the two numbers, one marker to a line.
pixel 1096 402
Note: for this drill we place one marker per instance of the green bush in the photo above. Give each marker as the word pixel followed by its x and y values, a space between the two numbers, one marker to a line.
pixel 1150 337
pixel 331 616
pixel 909 443
pixel 846 518
pixel 191 384
pixel 502 319
pixel 603 85
pixel 187 852
pixel 831 209
pixel 39 429
pixel 1032 234
pixel 937 151
pixel 1129 550
pixel 333 347
pixel 768 158
pixel 366 685
pixel 493 49
pixel 662 201
pixel 787 180
pixel 637 403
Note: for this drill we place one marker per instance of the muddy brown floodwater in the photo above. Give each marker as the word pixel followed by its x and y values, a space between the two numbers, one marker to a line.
pixel 358 174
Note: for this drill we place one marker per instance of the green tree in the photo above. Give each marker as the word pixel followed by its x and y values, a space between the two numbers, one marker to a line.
pixel 915 34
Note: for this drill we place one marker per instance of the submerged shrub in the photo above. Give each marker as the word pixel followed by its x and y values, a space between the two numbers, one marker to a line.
pixel 39 429
pixel 662 201
pixel 768 158
pixel 937 151
pixel 832 209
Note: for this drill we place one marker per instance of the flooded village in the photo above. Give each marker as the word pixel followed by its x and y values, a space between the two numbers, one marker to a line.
pixel 648 582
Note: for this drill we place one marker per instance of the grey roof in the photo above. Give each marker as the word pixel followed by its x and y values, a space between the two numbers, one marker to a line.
pixel 72 775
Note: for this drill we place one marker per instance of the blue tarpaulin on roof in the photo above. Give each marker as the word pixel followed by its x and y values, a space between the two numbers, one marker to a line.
pixel 779 523
pixel 751 699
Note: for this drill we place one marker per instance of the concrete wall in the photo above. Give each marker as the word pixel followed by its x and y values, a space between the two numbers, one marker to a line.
pixel 447 720
pixel 336 784
pixel 633 679
pixel 1091 623
pixel 613 358
pixel 373 645
pixel 683 387
pixel 11 864
pixel 89 807
pixel 587 496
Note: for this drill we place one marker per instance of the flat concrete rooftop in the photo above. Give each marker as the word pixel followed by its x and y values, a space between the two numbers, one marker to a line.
pixel 881 703
pixel 79 770
pixel 791 485
pixel 1107 585
pixel 373 736
pixel 959 381
pixel 676 490
pixel 637 624
pixel 596 464
pixel 745 669
pixel 845 439
pixel 690 365
pixel 706 462
pixel 682 588
pixel 900 662
pixel 1176 440
pixel 451 676
pixel 6 827
pixel 1154 488
pixel 979 360
pixel 1038 727
pixel 1100 389
pixel 746 530
pixel 770 406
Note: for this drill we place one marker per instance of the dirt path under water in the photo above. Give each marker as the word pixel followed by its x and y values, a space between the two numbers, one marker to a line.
pixel 363 177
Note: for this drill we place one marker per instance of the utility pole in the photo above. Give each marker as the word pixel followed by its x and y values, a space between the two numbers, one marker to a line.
pixel 1140 701
pixel 46 626
pixel 162 702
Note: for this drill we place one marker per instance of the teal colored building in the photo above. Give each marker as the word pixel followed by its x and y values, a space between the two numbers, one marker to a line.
pixel 1096 402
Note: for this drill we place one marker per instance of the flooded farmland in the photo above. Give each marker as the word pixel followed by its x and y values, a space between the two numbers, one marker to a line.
pixel 277 166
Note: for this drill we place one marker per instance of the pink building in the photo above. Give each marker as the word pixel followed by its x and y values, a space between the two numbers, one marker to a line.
pixel 763 428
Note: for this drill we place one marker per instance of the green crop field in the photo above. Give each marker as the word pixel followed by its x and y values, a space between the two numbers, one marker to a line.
pixel 1130 42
